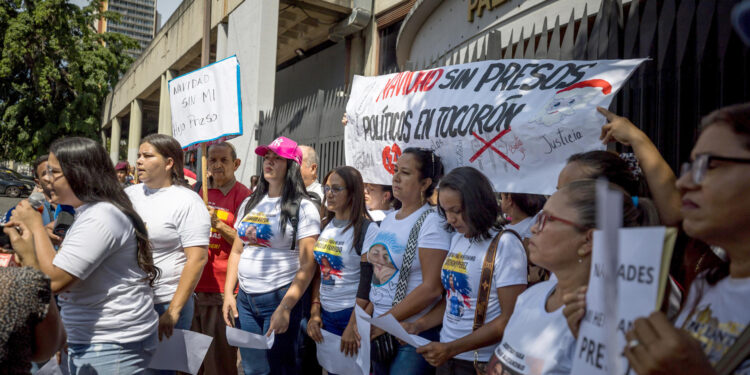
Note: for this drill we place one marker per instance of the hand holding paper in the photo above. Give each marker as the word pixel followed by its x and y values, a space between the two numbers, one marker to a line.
pixel 183 351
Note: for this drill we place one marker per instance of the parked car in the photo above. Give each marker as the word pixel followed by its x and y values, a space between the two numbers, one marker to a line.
pixel 18 176
pixel 13 187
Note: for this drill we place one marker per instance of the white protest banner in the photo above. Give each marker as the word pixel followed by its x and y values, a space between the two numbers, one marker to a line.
pixel 206 104
pixel 642 254
pixel 517 121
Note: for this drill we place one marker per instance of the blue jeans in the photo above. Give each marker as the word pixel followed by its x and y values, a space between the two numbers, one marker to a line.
pixel 336 322
pixel 111 358
pixel 407 360
pixel 183 322
pixel 255 312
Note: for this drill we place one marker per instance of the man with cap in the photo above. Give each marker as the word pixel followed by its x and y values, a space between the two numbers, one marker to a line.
pixel 225 195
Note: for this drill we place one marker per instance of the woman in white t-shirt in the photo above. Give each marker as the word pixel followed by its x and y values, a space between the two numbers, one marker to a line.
pixel 521 210
pixel 104 267
pixel 380 201
pixel 537 339
pixel 716 210
pixel 178 226
pixel 272 256
pixel 415 177
pixel 468 204
pixel 345 275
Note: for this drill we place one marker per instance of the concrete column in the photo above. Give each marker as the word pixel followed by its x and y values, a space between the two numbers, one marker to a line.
pixel 253 26
pixel 103 135
pixel 114 140
pixel 136 125
pixel 165 110
pixel 222 35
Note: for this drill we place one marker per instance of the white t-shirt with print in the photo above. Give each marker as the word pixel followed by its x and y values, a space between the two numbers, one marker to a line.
pixel 719 318
pixel 461 274
pixel 523 228
pixel 111 301
pixel 387 254
pixel 270 264
pixel 536 341
pixel 339 264
pixel 176 218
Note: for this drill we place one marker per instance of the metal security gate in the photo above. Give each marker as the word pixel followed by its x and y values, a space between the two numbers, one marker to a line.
pixel 697 64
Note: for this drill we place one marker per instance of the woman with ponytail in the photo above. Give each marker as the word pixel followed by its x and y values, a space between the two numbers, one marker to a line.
pixel 104 269
pixel 178 227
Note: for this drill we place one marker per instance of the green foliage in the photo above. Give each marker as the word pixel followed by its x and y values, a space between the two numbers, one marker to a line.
pixel 55 72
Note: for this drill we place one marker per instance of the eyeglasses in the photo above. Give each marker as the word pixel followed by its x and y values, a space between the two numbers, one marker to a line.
pixel 53 173
pixel 700 166
pixel 333 189
pixel 544 217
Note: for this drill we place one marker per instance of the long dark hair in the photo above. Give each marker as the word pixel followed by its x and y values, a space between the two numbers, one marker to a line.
pixel 91 175
pixel 168 147
pixel 529 204
pixel 479 207
pixel 430 165
pixel 291 194
pixel 355 189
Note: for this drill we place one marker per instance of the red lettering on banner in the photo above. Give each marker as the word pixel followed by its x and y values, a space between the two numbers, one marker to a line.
pixel 406 83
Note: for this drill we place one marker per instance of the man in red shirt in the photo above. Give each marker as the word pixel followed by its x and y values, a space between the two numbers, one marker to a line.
pixel 225 195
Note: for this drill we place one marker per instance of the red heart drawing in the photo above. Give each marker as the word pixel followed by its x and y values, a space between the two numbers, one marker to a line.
pixel 390 157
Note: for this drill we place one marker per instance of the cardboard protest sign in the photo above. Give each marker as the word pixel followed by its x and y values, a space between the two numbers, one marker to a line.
pixel 517 121
pixel 640 273
pixel 206 104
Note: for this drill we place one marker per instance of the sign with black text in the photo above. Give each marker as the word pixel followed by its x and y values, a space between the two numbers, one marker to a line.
pixel 517 121
pixel 205 104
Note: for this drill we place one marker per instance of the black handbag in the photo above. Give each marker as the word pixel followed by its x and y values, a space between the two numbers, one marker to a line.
pixel 385 346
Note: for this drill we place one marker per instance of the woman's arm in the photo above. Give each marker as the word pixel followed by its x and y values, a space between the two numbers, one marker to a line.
pixel 49 334
pixel 315 323
pixel 197 256
pixel 659 176
pixel 29 220
pixel 280 317
pixel 229 309
pixel 427 292
pixel 436 353
pixel 430 320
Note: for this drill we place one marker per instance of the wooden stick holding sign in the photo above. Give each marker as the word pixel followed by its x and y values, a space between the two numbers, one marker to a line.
pixel 205 103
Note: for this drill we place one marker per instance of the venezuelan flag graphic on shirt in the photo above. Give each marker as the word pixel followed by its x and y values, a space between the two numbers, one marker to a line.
pixel 456 283
pixel 255 227
pixel 228 219
pixel 328 255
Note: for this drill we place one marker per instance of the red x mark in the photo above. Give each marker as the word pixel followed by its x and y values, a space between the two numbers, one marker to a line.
pixel 489 145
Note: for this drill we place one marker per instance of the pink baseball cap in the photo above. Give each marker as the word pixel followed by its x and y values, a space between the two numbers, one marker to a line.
pixel 284 147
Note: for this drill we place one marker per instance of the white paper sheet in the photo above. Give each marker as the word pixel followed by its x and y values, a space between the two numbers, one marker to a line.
pixel 183 351
pixel 50 368
pixel 243 339
pixel 389 324
pixel 363 327
pixel 332 359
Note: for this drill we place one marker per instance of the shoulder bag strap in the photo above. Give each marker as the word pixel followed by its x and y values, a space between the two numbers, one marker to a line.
pixel 363 233
pixel 736 354
pixel 409 254
pixel 294 220
pixel 485 282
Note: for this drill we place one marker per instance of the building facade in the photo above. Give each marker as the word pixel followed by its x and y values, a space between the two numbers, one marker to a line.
pixel 297 59
pixel 138 20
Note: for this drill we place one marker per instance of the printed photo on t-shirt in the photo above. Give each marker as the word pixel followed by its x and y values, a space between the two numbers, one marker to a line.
pixel 328 255
pixel 715 336
pixel 456 283
pixel 255 228
pixel 507 361
pixel 382 263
